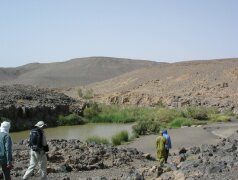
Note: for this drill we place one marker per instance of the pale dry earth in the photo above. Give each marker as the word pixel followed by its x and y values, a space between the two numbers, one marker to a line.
pixel 188 136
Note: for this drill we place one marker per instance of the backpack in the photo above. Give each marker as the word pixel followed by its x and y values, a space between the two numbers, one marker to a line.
pixel 36 139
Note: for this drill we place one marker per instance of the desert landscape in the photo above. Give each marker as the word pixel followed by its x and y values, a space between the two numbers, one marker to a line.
pixel 211 83
pixel 45 91
pixel 105 79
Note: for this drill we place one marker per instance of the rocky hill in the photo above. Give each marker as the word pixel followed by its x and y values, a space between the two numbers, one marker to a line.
pixel 211 83
pixel 81 71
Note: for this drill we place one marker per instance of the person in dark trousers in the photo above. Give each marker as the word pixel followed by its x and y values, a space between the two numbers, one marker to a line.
pixel 38 156
pixel 168 145
pixel 5 150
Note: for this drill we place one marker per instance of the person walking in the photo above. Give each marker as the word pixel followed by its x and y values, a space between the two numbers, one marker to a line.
pixel 38 151
pixel 160 147
pixel 5 150
pixel 168 145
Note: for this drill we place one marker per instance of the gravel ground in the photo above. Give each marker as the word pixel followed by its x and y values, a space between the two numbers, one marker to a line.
pixel 182 137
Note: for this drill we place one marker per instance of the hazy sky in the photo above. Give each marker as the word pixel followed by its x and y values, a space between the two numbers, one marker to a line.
pixel 158 30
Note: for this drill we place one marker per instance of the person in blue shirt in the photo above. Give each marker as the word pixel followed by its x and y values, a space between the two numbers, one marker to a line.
pixel 168 145
pixel 5 150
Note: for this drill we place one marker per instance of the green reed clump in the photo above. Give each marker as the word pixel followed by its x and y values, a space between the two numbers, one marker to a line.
pixel 206 114
pixel 222 117
pixel 199 113
pixel 180 121
pixel 116 113
pixel 92 111
pixel 146 127
pixel 120 137
pixel 97 140
pixel 71 119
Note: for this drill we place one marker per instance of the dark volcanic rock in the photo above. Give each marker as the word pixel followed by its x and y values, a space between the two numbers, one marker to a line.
pixel 72 158
pixel 25 105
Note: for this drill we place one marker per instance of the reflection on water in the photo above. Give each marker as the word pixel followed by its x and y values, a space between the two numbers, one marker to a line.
pixel 78 132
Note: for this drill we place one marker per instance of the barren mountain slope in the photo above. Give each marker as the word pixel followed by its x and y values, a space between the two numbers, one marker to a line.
pixel 80 71
pixel 9 74
pixel 211 83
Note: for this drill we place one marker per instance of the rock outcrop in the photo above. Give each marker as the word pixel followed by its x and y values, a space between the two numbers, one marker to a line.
pixel 25 105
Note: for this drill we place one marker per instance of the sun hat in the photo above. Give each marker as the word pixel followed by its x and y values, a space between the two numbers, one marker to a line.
pixel 40 124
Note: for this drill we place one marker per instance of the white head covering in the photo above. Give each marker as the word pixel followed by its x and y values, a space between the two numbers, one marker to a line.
pixel 5 126
pixel 40 124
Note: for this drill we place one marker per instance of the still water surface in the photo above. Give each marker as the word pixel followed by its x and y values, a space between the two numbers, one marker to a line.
pixel 81 132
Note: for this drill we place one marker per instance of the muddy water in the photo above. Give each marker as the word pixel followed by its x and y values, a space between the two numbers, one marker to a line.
pixel 81 132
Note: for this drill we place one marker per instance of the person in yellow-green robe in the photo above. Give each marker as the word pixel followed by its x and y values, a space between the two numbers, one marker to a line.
pixel 160 147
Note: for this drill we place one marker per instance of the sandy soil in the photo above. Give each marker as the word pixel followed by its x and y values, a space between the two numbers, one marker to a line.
pixel 188 137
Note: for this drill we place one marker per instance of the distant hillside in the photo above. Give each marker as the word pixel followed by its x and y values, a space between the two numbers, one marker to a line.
pixel 212 83
pixel 81 71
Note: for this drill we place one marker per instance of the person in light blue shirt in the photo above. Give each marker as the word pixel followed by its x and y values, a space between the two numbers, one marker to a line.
pixel 5 150
pixel 168 145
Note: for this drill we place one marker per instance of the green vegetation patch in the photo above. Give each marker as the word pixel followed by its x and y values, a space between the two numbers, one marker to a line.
pixel 180 121
pixel 97 140
pixel 146 127
pixel 71 119
pixel 150 120
pixel 120 137
pixel 199 113
pixel 220 117
pixel 112 114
